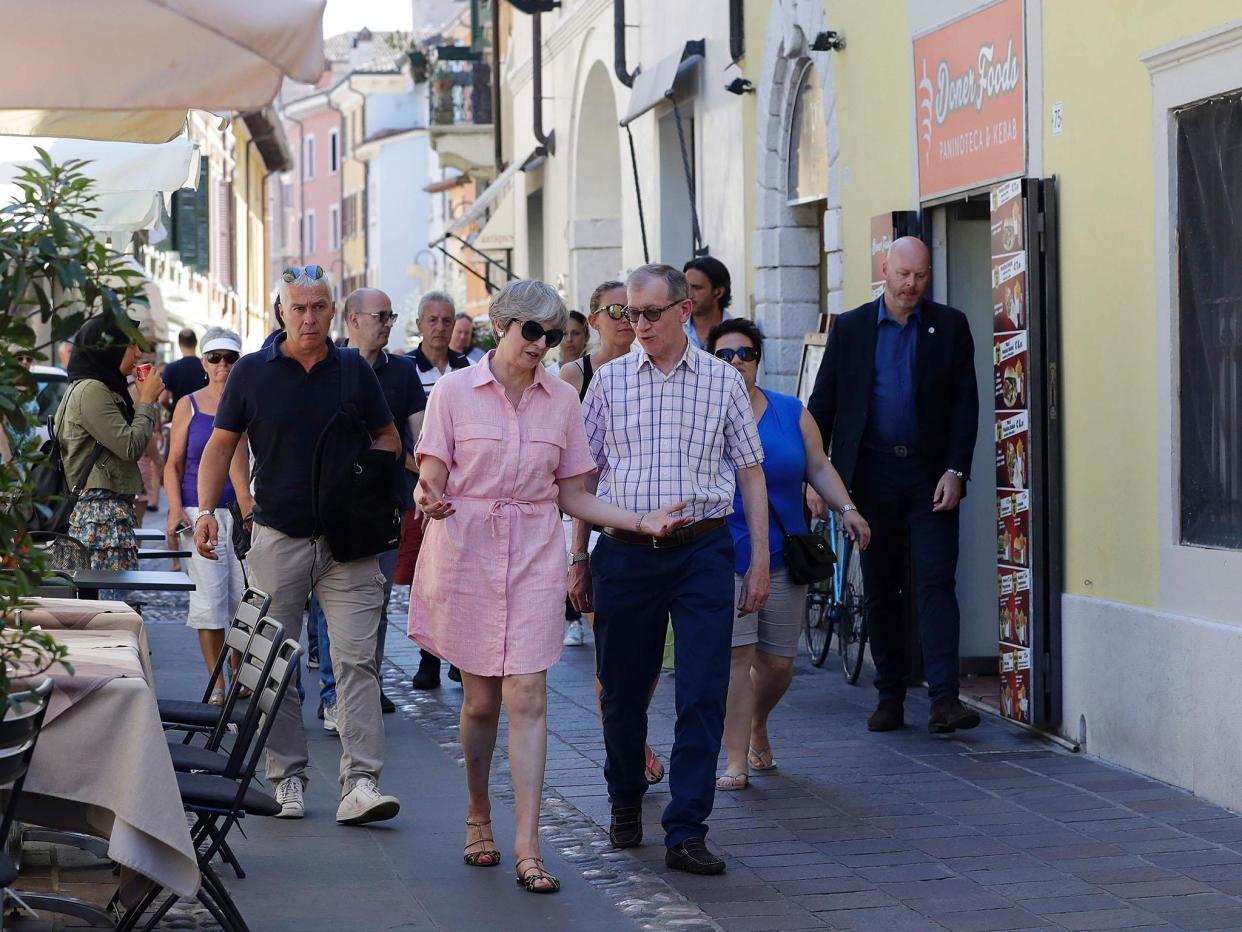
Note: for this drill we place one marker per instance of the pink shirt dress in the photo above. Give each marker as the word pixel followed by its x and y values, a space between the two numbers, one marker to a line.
pixel 489 587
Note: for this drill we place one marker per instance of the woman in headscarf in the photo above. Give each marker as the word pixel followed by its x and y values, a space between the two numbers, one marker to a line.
pixel 97 409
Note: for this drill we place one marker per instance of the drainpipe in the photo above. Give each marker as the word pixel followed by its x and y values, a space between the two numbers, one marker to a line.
pixel 618 44
pixel 497 153
pixel 549 141
pixel 737 31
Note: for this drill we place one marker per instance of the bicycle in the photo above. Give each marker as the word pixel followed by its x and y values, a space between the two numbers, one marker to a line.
pixel 851 614
pixel 822 598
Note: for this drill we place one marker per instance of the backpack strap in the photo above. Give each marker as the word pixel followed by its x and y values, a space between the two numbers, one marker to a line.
pixel 351 359
pixel 91 462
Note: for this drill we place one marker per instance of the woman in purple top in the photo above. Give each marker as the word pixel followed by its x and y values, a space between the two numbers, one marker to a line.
pixel 218 583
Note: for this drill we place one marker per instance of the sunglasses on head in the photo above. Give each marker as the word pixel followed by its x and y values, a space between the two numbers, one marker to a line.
pixel 215 357
pixel 744 353
pixel 294 272
pixel 531 332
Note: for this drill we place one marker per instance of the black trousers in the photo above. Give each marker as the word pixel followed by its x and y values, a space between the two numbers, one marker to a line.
pixel 895 495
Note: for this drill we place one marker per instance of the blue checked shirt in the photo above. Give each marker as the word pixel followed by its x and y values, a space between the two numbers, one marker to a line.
pixel 678 438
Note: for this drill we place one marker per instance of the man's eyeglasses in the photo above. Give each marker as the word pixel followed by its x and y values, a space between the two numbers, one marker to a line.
pixel 294 272
pixel 531 332
pixel 384 317
pixel 651 313
pixel 615 311
pixel 744 353
pixel 225 356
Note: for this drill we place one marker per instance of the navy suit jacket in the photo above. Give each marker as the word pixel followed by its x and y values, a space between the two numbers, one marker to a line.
pixel 946 396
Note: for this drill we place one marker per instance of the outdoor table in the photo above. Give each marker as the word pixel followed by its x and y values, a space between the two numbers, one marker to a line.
pixel 102 764
pixel 55 614
pixel 89 582
pixel 148 533
pixel 162 554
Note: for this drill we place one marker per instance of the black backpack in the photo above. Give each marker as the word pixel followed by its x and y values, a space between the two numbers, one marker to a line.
pixel 356 492
pixel 54 497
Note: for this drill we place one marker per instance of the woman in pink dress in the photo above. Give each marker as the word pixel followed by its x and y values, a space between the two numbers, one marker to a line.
pixel 503 451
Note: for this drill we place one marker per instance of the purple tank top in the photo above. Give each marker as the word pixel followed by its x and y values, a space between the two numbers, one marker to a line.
pixel 199 433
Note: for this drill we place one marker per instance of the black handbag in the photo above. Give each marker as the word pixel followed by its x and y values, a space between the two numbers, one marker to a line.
pixel 241 531
pixel 808 557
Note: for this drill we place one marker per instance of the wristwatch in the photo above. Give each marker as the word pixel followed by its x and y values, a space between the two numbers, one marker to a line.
pixel 580 557
pixel 957 472
pixel 210 513
pixel 847 508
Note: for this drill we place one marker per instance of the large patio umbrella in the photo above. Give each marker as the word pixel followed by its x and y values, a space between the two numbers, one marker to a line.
pixel 130 69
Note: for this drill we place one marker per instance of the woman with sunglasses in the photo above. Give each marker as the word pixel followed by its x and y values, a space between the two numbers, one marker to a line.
pixel 765 644
pixel 503 451
pixel 218 583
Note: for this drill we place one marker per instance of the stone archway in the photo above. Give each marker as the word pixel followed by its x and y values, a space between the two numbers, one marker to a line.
pixel 787 248
pixel 595 217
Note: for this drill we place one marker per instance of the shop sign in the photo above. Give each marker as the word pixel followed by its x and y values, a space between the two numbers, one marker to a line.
pixel 970 100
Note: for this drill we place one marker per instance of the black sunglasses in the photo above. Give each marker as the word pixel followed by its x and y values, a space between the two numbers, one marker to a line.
pixel 531 332
pixel 294 272
pixel 744 353
pixel 615 311
pixel 217 357
pixel 651 313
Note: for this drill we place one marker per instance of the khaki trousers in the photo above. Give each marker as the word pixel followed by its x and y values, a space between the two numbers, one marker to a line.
pixel 351 595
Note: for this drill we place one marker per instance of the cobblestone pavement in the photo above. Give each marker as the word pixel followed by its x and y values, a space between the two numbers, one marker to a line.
pixel 985 830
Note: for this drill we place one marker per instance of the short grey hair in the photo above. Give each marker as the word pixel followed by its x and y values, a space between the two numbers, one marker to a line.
pixel 302 281
pixel 674 279
pixel 221 333
pixel 528 299
pixel 435 297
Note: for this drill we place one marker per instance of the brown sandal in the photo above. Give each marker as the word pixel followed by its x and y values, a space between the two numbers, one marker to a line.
pixel 530 877
pixel 476 858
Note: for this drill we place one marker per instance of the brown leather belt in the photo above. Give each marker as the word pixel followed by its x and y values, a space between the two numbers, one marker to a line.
pixel 679 537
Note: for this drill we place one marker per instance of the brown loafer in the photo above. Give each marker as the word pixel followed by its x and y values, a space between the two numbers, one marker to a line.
pixel 889 715
pixel 948 715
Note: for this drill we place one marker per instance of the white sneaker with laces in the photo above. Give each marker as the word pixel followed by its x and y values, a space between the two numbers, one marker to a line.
pixel 365 803
pixel 329 718
pixel 573 634
pixel 289 794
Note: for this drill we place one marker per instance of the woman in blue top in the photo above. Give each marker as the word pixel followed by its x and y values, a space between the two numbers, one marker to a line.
pixel 793 454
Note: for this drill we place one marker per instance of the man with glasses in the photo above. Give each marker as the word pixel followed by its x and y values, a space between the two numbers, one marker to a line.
pixel 282 398
pixel 369 320
pixel 668 422
pixel 434 358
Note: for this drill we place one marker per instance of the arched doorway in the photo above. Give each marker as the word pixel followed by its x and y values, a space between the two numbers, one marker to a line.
pixel 595 221
pixel 797 254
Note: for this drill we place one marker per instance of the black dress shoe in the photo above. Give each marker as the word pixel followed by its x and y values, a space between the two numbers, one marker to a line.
pixel 319 714
pixel 693 857
pixel 454 674
pixel 626 830
pixel 428 675
pixel 386 705
pixel 889 715
pixel 948 714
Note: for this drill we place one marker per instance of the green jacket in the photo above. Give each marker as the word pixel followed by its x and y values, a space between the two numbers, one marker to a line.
pixel 91 412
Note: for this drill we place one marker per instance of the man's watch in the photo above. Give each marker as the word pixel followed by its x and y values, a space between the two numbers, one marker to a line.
pixel 580 557
pixel 210 513
pixel 957 472
pixel 847 508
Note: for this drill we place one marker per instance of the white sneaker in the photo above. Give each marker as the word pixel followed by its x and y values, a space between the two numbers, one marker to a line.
pixel 289 792
pixel 365 803
pixel 573 634
pixel 329 718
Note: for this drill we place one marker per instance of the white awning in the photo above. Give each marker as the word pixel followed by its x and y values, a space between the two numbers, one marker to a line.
pixel 150 59
pixel 478 210
pixel 131 179
pixel 670 77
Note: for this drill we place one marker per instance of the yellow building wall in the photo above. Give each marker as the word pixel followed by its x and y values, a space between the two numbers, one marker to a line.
pixel 1111 350
pixel 250 237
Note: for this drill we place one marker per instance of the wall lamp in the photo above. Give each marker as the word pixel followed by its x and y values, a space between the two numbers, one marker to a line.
pixel 828 41
pixel 531 7
pixel 740 86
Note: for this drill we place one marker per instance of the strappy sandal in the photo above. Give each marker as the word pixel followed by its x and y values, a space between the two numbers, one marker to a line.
pixel 476 858
pixel 533 875
pixel 216 698
pixel 732 781
pixel 755 757
pixel 654 770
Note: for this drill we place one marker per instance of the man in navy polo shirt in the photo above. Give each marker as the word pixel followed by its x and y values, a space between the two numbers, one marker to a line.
pixel 282 398
pixel 369 320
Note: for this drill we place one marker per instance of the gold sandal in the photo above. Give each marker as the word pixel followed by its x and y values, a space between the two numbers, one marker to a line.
pixel 533 875
pixel 475 858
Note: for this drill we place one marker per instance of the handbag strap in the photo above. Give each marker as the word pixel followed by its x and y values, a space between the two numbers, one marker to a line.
pixel 779 523
pixel 92 461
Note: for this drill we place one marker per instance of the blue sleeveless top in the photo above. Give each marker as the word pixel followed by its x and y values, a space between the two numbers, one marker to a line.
pixel 784 470
pixel 196 439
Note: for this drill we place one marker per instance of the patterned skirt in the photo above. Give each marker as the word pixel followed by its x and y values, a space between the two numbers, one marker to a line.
pixel 104 522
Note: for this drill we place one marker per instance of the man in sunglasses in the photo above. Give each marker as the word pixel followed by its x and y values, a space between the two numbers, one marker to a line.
pixel 668 422
pixel 282 397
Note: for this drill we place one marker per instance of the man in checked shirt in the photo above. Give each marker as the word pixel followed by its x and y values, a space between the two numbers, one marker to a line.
pixel 668 422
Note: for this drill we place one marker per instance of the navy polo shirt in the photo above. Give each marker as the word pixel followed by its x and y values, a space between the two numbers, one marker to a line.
pixel 283 408
pixel 892 419
pixel 184 377
pixel 403 390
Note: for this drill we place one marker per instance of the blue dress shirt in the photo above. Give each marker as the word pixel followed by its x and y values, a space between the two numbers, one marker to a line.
pixel 892 420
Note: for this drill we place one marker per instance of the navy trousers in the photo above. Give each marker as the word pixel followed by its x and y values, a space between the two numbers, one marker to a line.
pixel 637 589
pixel 895 495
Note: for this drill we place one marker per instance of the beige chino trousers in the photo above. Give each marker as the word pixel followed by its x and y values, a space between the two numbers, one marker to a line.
pixel 351 595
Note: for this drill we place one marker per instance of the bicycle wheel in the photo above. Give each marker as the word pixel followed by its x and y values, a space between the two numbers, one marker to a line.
pixel 852 622
pixel 821 601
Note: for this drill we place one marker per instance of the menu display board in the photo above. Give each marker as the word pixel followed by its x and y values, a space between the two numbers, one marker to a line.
pixel 1012 394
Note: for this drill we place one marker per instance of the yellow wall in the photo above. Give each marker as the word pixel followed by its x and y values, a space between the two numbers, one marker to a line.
pixel 250 237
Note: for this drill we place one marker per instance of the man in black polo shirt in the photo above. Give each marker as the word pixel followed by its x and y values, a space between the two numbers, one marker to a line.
pixel 186 375
pixel 282 397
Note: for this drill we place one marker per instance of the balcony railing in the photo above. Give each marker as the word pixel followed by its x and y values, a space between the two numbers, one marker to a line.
pixel 461 93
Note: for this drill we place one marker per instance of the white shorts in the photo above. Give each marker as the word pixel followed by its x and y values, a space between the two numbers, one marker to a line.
pixel 218 584
pixel 777 626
